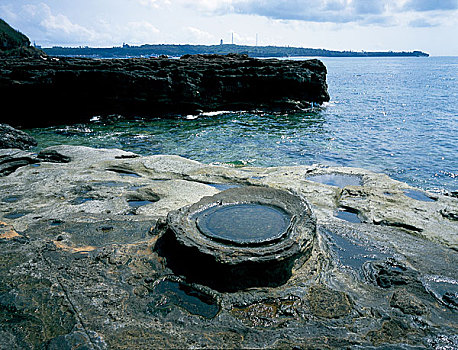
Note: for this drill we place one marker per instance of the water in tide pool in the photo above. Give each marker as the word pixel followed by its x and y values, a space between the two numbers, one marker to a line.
pixel 398 116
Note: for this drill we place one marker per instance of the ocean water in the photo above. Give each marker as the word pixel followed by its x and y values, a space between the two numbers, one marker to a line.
pixel 398 116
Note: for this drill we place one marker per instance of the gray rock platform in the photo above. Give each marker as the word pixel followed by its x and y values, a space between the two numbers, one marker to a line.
pixel 79 262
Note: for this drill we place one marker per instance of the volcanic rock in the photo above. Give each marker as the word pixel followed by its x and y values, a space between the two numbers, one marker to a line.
pixel 75 89
pixel 251 236
pixel 13 138
pixel 81 263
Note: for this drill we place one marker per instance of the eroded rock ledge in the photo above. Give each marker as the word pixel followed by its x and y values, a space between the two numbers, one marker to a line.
pixel 66 90
pixel 80 261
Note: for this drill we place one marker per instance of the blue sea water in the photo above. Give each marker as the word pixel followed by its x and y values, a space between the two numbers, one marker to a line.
pixel 398 116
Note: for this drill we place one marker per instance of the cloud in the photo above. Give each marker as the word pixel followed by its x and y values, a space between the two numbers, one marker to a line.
pixel 56 26
pixel 368 7
pixel 421 23
pixel 431 5
pixel 338 11
pixel 198 35
pixel 363 12
pixel 48 27
pixel 138 32
pixel 154 3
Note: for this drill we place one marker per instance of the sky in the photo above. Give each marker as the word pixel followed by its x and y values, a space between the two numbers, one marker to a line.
pixel 369 25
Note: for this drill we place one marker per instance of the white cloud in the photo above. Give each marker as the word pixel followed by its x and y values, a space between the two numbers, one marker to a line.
pixel 199 34
pixel 363 12
pixel 137 33
pixel 154 3
pixel 55 26
pixel 367 25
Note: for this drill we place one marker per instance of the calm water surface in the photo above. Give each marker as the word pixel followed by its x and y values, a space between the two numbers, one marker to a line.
pixel 398 116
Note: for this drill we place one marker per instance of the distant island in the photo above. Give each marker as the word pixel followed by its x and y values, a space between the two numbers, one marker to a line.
pixel 222 49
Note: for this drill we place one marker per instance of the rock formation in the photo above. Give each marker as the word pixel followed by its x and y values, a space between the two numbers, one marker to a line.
pixel 49 90
pixel 13 138
pixel 80 261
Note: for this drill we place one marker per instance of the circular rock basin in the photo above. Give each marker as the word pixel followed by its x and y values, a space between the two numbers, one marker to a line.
pixel 244 224
pixel 241 237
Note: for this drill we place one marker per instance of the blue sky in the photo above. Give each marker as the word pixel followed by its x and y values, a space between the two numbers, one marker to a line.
pixel 427 25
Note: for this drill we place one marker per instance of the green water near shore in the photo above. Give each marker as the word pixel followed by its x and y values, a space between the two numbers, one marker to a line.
pixel 398 116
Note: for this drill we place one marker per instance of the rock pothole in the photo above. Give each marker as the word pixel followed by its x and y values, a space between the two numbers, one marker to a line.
pixel 240 238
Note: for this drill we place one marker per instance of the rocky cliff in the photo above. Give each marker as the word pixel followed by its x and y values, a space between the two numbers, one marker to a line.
pixel 45 91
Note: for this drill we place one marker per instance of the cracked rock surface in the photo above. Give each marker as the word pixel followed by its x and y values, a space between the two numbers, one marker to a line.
pixel 80 267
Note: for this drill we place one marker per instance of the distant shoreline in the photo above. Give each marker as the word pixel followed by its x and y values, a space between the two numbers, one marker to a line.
pixel 180 50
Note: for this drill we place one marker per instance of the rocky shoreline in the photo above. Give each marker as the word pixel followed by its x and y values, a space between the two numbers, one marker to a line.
pixel 51 91
pixel 80 262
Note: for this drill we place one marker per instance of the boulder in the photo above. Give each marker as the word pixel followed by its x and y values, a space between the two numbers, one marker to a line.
pixel 13 138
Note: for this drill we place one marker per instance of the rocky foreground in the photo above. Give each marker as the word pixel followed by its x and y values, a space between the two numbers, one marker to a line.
pixel 81 266
pixel 50 91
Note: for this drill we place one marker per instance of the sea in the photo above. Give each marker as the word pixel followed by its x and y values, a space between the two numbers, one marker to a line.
pixel 393 115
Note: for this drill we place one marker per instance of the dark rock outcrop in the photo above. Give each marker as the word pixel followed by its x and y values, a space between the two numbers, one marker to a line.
pixel 65 90
pixel 12 159
pixel 13 138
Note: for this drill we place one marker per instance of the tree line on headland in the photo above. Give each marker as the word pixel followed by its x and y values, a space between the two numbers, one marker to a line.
pixel 223 49
pixel 14 43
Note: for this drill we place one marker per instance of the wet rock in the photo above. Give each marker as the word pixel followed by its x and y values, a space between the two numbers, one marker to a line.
pixel 407 303
pixel 167 293
pixel 13 138
pixel 328 303
pixel 73 340
pixel 268 312
pixel 90 273
pixel 449 214
pixel 444 289
pixel 140 86
pixel 393 331
pixel 389 273
pixel 220 243
pixel 12 159
pixel 52 155
pixel 335 179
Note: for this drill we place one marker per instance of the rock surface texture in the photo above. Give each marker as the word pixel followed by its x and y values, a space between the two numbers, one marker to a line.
pixel 212 239
pixel 83 88
pixel 13 138
pixel 80 262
